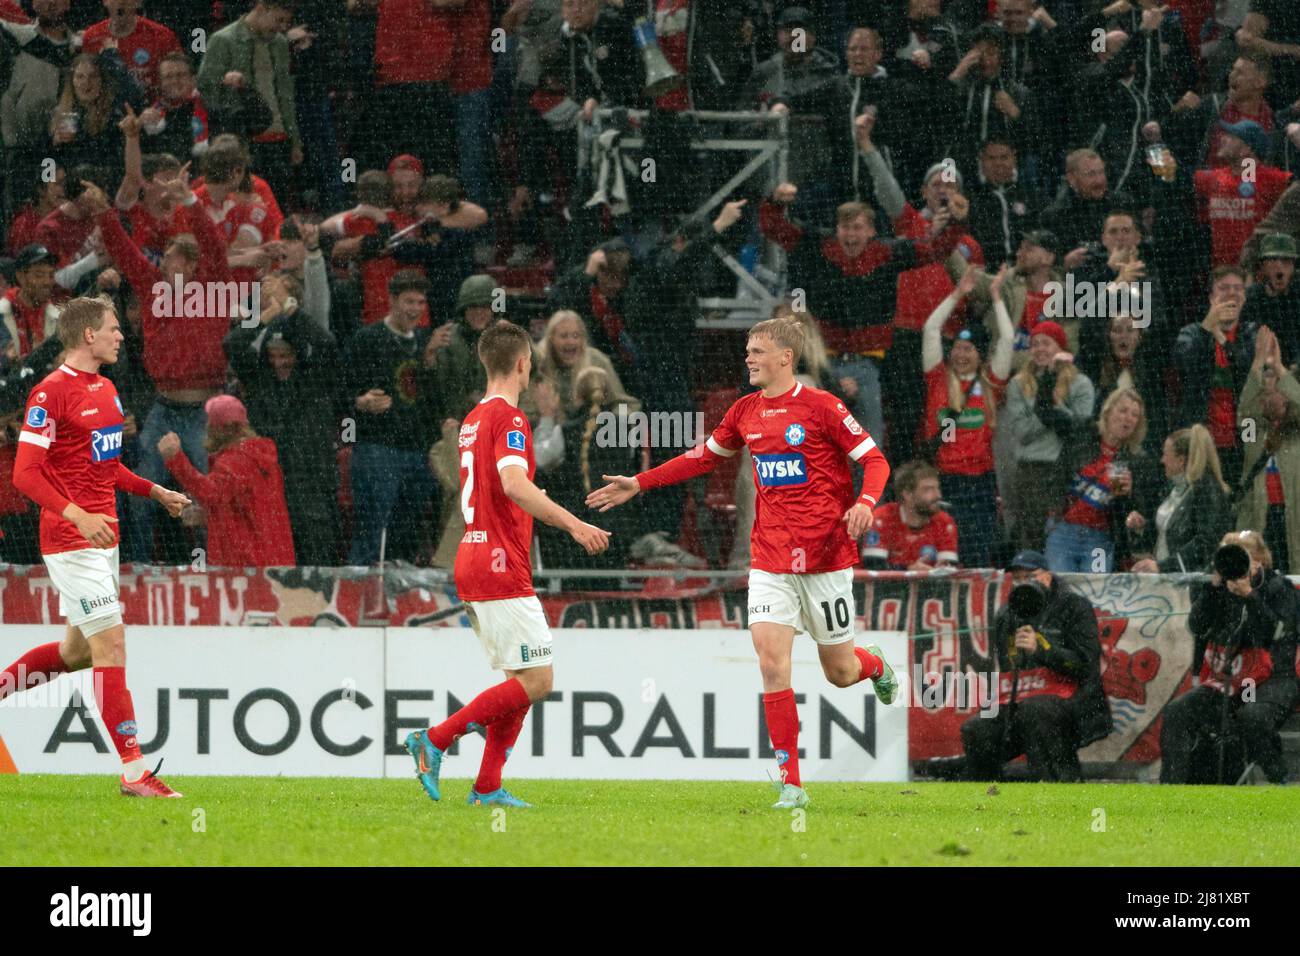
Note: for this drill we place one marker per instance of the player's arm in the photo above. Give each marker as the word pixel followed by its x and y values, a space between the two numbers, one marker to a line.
pixel 128 481
pixel 725 442
pixel 521 490
pixel 853 439
pixel 30 480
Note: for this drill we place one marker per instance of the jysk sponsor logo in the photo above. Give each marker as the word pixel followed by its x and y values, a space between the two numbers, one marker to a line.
pixel 36 417
pixel 106 443
pixel 775 470
pixel 515 440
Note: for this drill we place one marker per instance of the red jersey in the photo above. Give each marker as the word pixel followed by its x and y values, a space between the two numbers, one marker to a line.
pixel 234 218
pixel 473 28
pixel 971 450
pixel 413 43
pixel 1090 497
pixel 141 50
pixel 67 238
pixel 921 290
pixel 70 450
pixel 900 545
pixel 492 562
pixel 1234 206
pixel 800 442
pixel 1221 412
pixel 376 273
pixel 22 231
pixel 153 235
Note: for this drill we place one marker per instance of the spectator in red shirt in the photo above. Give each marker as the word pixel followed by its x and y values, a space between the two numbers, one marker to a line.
pixel 1235 198
pixel 69 231
pixel 415 50
pixel 27 312
pixel 178 121
pixel 182 353
pixel 962 396
pixel 913 533
pixel 242 493
pixel 470 84
pixel 141 42
pixel 49 195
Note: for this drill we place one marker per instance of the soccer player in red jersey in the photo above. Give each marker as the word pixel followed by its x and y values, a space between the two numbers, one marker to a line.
pixel 806 524
pixel 70 463
pixel 493 573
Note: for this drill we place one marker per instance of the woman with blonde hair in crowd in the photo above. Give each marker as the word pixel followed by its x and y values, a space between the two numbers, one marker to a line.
pixel 1244 623
pixel 1111 478
pixel 1049 403
pixel 563 353
pixel 1194 513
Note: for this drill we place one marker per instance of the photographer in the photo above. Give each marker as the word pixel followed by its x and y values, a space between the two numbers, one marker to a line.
pixel 1244 623
pixel 1050 701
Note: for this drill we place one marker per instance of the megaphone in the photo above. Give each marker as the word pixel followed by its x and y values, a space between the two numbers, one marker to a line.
pixel 1232 562
pixel 660 77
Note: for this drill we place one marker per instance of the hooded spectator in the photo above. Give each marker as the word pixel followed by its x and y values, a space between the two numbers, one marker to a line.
pixel 287 366
pixel 242 493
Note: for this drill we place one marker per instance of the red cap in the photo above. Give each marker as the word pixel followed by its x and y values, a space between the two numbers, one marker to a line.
pixel 406 161
pixel 1052 331
pixel 225 410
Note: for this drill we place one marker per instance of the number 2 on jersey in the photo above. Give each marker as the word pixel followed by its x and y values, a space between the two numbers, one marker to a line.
pixel 467 487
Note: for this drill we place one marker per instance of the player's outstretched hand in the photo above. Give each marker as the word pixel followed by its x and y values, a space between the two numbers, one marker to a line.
pixel 593 539
pixel 173 501
pixel 859 519
pixel 620 490
pixel 96 528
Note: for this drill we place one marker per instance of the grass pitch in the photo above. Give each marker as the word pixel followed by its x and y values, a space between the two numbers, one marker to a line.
pixel 274 821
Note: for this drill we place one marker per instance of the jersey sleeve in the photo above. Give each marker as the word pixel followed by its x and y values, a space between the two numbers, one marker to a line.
pixel 852 439
pixel 725 442
pixel 38 432
pixel 512 445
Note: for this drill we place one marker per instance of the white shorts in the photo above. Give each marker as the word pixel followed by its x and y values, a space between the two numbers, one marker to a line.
pixel 513 631
pixel 87 582
pixel 821 604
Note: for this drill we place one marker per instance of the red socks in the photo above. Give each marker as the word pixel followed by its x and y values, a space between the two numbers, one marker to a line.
pixel 40 665
pixel 117 711
pixel 501 737
pixel 494 703
pixel 872 666
pixel 783 728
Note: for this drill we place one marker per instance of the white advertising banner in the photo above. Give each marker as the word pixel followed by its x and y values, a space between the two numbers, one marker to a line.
pixel 667 704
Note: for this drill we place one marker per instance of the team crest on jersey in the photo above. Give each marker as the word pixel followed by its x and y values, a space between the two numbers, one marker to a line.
pixel 36 417
pixel 141 56
pixel 106 443
pixel 794 435
pixel 515 440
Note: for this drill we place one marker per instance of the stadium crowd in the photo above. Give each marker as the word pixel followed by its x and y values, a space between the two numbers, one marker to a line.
pixel 1044 253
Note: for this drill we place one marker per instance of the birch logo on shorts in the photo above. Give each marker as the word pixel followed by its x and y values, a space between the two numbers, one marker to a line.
pixel 106 443
pixel 774 470
pixel 36 417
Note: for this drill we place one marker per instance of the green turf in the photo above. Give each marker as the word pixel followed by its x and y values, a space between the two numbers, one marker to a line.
pixel 81 821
